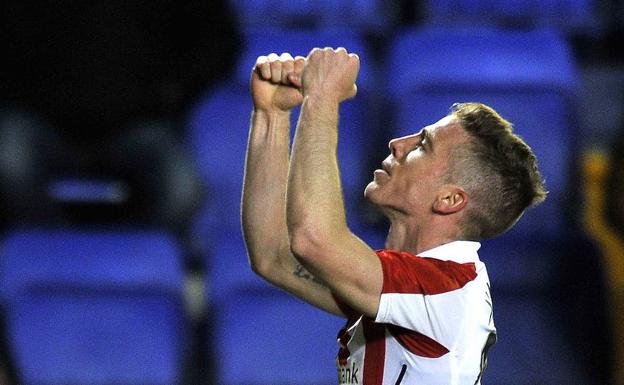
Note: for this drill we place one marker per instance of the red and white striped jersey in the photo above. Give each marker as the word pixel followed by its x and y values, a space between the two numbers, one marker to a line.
pixel 434 325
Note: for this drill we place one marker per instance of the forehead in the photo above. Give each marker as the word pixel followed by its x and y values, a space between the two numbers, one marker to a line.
pixel 446 130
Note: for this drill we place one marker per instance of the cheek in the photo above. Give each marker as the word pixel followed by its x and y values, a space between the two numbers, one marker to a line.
pixel 415 195
pixel 422 190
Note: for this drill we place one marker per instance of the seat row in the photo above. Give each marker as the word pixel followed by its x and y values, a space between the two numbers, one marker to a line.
pixel 378 16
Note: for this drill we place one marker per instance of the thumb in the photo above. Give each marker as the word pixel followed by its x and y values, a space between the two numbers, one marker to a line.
pixel 353 92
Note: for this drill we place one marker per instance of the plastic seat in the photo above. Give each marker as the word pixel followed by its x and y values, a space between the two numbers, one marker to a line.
pixel 228 266
pixel 359 14
pixel 565 15
pixel 270 338
pixel 95 307
pixel 531 347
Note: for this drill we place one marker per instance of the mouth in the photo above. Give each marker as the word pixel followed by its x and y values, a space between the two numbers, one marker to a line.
pixel 386 167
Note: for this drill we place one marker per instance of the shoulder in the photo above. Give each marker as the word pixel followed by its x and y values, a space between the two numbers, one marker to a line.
pixel 407 273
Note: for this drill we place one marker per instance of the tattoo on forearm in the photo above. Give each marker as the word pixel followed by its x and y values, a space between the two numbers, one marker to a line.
pixel 301 272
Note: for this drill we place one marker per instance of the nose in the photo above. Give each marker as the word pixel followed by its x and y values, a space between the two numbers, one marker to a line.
pixel 399 147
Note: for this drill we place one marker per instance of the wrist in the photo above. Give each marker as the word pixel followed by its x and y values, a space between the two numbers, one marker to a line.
pixel 321 103
pixel 321 99
pixel 271 113
pixel 270 122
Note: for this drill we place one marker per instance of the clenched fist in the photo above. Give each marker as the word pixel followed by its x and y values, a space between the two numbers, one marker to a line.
pixel 330 73
pixel 276 82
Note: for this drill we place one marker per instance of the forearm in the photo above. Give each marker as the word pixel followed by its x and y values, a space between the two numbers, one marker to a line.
pixel 315 208
pixel 264 189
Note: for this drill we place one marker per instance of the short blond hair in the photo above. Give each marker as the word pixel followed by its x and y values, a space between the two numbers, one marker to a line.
pixel 497 169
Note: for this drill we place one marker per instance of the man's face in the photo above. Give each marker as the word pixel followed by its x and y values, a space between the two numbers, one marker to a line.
pixel 412 174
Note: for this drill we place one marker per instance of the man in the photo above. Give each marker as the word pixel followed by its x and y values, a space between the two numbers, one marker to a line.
pixel 419 312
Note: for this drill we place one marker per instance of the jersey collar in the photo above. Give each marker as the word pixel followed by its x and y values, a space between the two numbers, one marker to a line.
pixel 456 251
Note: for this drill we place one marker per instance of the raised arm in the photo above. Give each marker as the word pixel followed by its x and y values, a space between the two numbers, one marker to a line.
pixel 319 235
pixel 275 92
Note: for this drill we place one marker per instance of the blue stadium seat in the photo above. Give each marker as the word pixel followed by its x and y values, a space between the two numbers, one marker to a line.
pixel 361 14
pixel 531 347
pixel 228 266
pixel 95 307
pixel 267 337
pixel 565 15
pixel 529 77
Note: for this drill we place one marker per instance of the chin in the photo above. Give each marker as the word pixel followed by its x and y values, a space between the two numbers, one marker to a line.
pixel 372 193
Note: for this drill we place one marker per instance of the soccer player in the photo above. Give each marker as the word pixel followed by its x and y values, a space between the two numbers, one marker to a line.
pixel 419 311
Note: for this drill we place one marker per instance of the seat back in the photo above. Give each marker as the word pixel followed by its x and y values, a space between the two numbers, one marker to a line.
pixel 568 16
pixel 94 307
pixel 365 15
pixel 267 337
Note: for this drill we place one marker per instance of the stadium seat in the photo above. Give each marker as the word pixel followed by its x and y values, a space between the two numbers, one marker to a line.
pixel 228 266
pixel 564 15
pixel 359 14
pixel 529 77
pixel 94 307
pixel 531 347
pixel 268 337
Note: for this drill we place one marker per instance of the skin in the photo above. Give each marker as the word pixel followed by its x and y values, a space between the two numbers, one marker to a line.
pixel 293 214
pixel 410 188
pixel 264 186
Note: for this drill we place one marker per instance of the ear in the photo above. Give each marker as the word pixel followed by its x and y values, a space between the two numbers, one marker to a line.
pixel 450 199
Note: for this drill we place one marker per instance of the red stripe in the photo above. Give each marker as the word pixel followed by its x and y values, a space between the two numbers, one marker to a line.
pixel 375 353
pixel 408 274
pixel 417 343
pixel 343 339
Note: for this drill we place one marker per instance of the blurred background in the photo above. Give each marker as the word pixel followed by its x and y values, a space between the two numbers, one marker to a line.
pixel 123 127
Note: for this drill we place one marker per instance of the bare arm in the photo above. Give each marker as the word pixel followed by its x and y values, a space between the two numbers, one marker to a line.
pixel 264 185
pixel 319 235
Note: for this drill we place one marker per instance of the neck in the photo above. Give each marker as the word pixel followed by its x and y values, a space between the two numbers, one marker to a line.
pixel 414 238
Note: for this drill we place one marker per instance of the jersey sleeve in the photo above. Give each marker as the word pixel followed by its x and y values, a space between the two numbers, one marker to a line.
pixel 425 295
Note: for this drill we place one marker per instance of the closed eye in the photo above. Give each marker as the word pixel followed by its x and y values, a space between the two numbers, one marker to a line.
pixel 425 140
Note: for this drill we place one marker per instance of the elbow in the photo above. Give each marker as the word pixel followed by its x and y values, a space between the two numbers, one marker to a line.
pixel 299 245
pixel 257 267
pixel 267 263
pixel 264 269
pixel 261 261
pixel 308 243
